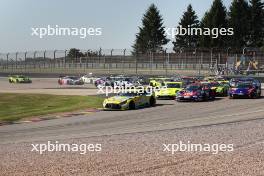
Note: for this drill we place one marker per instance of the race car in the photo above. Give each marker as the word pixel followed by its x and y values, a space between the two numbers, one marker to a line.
pixel 234 81
pixel 244 89
pixel 19 79
pixel 221 80
pixel 102 82
pixel 89 79
pixel 209 79
pixel 169 90
pixel 195 92
pixel 188 80
pixel 129 101
pixel 125 82
pixel 220 89
pixel 158 82
pixel 70 80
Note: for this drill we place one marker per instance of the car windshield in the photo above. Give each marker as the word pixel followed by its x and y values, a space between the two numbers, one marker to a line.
pixel 74 78
pixel 243 86
pixel 220 79
pixel 192 88
pixel 173 85
pixel 128 94
pixel 215 84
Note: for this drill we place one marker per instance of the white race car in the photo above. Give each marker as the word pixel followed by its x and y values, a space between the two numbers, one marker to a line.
pixel 89 79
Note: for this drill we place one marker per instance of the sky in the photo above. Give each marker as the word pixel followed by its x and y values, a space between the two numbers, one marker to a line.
pixel 119 20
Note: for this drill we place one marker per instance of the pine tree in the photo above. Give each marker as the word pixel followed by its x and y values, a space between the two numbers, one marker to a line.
pixel 216 17
pixel 239 20
pixel 151 36
pixel 205 40
pixel 189 20
pixel 256 23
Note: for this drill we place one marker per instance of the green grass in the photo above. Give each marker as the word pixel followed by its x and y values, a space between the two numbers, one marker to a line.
pixel 14 107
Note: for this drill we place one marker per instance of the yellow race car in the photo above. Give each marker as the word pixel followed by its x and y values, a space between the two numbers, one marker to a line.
pixel 216 79
pixel 209 79
pixel 19 79
pixel 130 101
pixel 221 80
pixel 170 90
pixel 158 82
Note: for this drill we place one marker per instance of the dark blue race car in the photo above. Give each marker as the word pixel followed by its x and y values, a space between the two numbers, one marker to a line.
pixel 244 89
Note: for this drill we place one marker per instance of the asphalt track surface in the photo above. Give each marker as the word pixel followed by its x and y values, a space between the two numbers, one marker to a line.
pixel 166 115
pixel 132 141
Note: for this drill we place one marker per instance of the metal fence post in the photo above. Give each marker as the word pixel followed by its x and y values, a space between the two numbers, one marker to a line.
pixel 7 61
pixel 54 59
pixel 25 61
pixel 167 63
pixel 136 64
pixel 110 63
pixel 87 56
pixel 34 59
pixel 16 59
pixel 44 57
pixel 64 60
pixel 200 65
pixel 211 62
pixel 123 61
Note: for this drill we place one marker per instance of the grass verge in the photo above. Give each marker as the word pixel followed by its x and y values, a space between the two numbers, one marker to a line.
pixel 14 107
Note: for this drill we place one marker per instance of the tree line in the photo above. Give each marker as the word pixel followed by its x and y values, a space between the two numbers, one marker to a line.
pixel 77 53
pixel 246 18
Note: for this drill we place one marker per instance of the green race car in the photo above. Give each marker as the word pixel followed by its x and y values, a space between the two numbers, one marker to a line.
pixel 129 101
pixel 221 89
pixel 170 90
pixel 19 79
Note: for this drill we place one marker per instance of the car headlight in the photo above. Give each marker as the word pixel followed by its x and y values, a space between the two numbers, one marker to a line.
pixel 105 102
pixel 124 102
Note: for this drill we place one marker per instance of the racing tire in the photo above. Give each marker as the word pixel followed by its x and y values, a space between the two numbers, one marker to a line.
pixel 107 84
pixel 177 99
pixel 10 81
pixel 200 99
pixel 204 98
pixel 226 93
pixel 254 95
pixel 152 102
pixel 232 97
pixel 259 95
pixel 132 105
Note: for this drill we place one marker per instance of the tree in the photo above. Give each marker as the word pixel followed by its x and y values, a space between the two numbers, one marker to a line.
pixel 205 40
pixel 90 53
pixel 151 36
pixel 239 21
pixel 216 17
pixel 256 23
pixel 188 20
pixel 75 53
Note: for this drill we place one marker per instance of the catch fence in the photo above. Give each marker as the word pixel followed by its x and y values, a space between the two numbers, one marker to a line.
pixel 122 61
